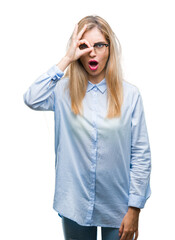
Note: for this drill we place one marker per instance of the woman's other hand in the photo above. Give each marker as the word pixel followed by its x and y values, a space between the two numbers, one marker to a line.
pixel 129 224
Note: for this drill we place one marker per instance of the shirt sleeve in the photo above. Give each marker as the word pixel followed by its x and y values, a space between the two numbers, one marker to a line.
pixel 40 95
pixel 140 165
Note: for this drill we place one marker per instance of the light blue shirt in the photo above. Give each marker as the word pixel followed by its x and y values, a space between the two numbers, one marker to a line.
pixel 102 166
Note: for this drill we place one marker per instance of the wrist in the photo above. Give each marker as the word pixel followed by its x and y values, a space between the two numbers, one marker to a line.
pixel 67 59
pixel 64 63
pixel 133 209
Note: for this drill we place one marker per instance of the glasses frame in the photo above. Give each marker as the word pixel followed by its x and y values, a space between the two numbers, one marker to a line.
pixel 95 44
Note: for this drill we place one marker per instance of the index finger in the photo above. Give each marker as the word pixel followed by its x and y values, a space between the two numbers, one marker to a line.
pixel 82 31
pixel 75 31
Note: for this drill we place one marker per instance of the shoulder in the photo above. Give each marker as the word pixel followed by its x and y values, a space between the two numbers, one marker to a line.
pixel 131 91
pixel 130 88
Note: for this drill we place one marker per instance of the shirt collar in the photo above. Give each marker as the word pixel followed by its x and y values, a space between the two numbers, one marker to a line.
pixel 101 86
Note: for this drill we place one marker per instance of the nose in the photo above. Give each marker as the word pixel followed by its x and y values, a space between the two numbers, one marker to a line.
pixel 92 53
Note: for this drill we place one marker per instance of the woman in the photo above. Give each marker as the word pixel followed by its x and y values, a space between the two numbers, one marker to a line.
pixel 102 151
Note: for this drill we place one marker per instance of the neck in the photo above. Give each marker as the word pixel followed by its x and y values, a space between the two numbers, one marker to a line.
pixel 96 79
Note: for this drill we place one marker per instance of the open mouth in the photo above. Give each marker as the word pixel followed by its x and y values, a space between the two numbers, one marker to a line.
pixel 93 65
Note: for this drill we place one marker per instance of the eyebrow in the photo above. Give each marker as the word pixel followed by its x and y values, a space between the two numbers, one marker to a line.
pixel 100 43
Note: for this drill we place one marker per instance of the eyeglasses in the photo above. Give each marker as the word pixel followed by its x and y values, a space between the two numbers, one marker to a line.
pixel 98 47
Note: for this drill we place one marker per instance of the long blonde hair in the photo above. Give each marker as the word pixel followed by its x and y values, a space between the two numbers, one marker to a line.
pixel 78 78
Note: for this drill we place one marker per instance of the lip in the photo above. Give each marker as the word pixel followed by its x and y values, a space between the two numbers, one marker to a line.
pixel 93 68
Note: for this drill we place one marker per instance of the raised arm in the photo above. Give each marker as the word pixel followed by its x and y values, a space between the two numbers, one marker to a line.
pixel 40 95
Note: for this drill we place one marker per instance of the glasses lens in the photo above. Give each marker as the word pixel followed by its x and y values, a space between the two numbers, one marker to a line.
pixel 100 48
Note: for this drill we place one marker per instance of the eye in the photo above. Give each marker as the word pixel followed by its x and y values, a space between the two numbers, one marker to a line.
pixel 83 46
pixel 99 45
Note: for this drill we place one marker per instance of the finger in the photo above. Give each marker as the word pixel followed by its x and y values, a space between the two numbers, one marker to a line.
pixel 84 41
pixel 136 235
pixel 121 229
pixel 82 31
pixel 131 236
pixel 75 31
pixel 85 51
pixel 124 236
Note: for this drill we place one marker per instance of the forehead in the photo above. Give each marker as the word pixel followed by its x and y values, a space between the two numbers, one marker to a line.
pixel 93 35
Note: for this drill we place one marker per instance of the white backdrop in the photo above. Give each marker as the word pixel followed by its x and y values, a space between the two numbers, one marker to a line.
pixel 34 35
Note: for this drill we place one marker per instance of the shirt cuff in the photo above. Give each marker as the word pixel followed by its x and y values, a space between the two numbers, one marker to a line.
pixel 136 201
pixel 55 73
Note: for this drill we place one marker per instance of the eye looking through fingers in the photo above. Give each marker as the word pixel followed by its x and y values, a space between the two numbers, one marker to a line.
pixel 83 46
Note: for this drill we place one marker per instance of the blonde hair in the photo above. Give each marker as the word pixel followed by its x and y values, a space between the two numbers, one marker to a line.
pixel 78 78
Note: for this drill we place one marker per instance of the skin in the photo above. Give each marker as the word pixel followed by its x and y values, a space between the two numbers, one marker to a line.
pixel 93 36
pixel 74 52
pixel 129 224
pixel 89 37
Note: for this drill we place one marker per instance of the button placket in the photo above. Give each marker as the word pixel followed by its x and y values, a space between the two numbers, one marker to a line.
pixel 93 156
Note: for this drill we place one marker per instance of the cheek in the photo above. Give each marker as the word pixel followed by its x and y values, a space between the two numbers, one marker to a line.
pixel 104 59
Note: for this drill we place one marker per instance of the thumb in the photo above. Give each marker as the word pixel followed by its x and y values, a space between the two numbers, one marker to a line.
pixel 136 235
pixel 121 229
